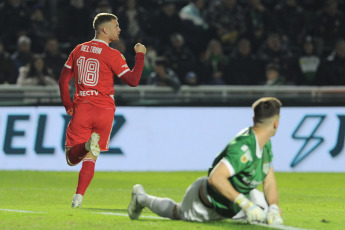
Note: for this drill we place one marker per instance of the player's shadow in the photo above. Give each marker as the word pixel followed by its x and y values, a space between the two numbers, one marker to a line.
pixel 107 210
pixel 234 225
pixel 123 212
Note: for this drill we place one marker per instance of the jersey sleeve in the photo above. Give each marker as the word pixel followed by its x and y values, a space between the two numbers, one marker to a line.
pixel 270 153
pixel 237 156
pixel 65 77
pixel 118 64
pixel 70 60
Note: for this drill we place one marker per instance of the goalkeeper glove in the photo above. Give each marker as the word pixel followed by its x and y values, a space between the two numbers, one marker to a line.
pixel 253 212
pixel 273 215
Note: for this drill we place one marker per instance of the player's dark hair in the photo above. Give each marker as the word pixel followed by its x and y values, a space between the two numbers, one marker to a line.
pixel 33 72
pixel 265 108
pixel 101 18
pixel 162 61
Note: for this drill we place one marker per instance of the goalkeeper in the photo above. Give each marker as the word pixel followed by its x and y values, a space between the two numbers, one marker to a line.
pixel 229 190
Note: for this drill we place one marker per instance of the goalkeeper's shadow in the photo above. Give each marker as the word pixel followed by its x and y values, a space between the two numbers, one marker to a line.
pixel 234 224
pixel 107 210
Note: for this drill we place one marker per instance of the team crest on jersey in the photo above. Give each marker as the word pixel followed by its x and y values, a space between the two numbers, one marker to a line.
pixel 246 156
pixel 123 57
pixel 244 159
pixel 266 168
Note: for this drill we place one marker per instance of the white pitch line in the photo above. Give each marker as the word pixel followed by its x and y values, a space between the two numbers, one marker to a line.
pixel 282 227
pixel 23 211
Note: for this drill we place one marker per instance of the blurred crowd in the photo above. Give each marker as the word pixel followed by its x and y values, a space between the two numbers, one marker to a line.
pixel 195 42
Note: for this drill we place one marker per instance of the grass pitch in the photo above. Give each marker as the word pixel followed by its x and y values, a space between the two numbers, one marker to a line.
pixel 308 200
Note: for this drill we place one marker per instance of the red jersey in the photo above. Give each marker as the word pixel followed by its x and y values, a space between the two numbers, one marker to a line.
pixel 94 65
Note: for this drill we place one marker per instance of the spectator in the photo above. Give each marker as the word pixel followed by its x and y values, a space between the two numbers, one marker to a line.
pixel 226 18
pixel 273 76
pixel 163 76
pixel 289 17
pixel 23 54
pixel 259 22
pixel 40 29
pixel 53 58
pixel 103 7
pixel 329 25
pixel 213 64
pixel 332 70
pixel 243 68
pixel 305 65
pixel 7 69
pixel 74 23
pixel 133 18
pixel 194 26
pixel 149 63
pixel 191 79
pixel 273 51
pixel 121 46
pixel 14 22
pixel 180 57
pixel 165 23
pixel 114 4
pixel 36 73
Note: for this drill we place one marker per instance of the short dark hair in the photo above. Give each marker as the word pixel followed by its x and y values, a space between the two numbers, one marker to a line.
pixel 101 18
pixel 273 66
pixel 266 107
pixel 162 61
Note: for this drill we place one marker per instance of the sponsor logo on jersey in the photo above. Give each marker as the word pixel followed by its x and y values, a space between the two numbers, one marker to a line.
pixel 88 93
pixel 252 184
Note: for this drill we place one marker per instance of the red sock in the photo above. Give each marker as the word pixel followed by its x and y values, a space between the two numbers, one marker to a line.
pixel 77 153
pixel 85 175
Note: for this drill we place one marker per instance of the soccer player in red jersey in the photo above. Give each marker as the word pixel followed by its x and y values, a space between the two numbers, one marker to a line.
pixel 93 65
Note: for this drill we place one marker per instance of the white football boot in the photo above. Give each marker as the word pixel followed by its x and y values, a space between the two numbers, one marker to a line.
pixel 134 208
pixel 93 144
pixel 77 200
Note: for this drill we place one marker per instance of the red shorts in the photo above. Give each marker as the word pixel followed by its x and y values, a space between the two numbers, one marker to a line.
pixel 87 119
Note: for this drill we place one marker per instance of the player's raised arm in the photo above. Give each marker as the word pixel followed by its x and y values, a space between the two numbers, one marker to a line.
pixel 132 77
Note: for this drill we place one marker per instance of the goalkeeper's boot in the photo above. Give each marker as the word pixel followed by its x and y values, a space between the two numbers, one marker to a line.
pixel 77 200
pixel 93 143
pixel 134 208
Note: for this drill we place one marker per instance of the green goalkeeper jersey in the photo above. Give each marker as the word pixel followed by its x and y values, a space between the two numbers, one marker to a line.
pixel 248 166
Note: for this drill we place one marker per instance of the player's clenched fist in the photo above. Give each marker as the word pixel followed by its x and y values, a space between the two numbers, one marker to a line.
pixel 253 212
pixel 70 111
pixel 140 48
